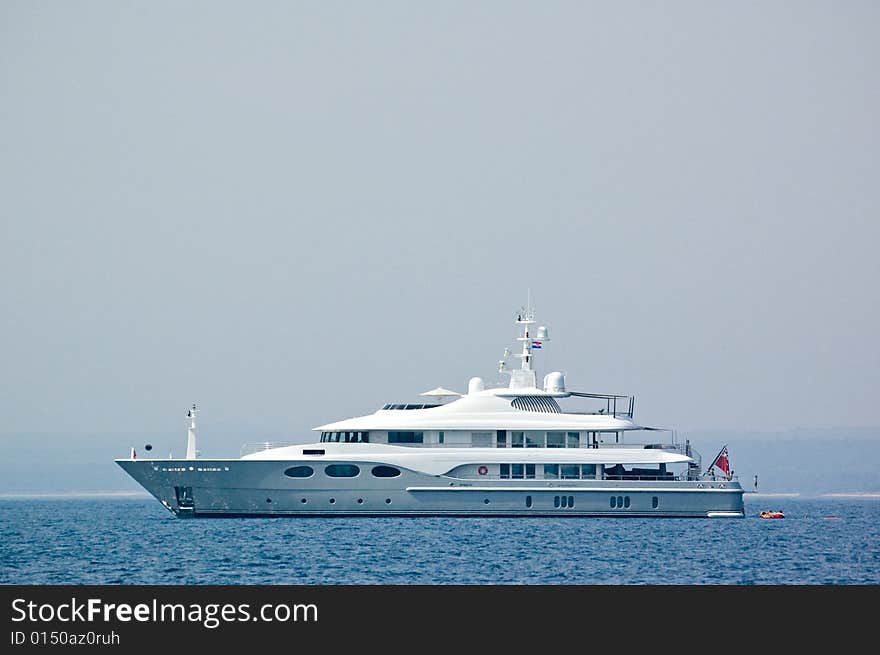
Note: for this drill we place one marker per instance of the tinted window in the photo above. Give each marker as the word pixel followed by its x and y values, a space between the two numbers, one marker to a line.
pixel 481 439
pixel 299 472
pixel 406 437
pixel 385 472
pixel 342 470
pixel 571 471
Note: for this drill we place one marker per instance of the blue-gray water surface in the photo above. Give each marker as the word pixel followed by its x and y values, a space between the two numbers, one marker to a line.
pixel 136 541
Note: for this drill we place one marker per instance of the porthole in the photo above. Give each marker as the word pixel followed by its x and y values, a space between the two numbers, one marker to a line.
pixel 485 501
pixel 620 501
pixel 564 501
pixel 332 501
pixel 342 470
pixel 385 472
pixel 299 472
pixel 613 502
pixel 387 501
pixel 360 501
pixel 268 500
pixel 528 501
pixel 571 501
pixel 655 502
pixel 555 501
pixel 626 502
pixel 303 501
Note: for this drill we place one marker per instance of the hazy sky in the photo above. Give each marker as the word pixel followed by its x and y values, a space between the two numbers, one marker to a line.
pixel 293 212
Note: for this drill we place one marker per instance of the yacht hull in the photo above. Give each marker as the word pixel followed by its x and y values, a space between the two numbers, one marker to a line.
pixel 259 488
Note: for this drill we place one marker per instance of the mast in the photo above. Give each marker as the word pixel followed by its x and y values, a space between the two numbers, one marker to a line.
pixel 524 377
pixel 191 451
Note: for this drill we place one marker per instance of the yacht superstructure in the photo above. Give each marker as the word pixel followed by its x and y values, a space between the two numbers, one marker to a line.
pixel 515 450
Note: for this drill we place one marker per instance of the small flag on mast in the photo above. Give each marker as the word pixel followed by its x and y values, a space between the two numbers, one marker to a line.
pixel 537 345
pixel 722 462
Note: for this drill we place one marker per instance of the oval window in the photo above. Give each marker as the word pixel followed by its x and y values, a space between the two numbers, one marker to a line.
pixel 342 470
pixel 385 472
pixel 299 472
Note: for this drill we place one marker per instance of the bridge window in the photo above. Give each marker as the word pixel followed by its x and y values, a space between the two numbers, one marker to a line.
pixel 555 440
pixel 516 439
pixel 345 437
pixel 573 440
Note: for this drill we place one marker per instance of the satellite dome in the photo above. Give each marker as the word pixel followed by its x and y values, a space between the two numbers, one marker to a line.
pixel 475 385
pixel 554 382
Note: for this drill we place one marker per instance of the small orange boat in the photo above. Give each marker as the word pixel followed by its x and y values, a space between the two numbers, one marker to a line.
pixel 771 515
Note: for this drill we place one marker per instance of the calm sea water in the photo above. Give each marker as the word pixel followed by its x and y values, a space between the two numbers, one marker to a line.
pixel 111 541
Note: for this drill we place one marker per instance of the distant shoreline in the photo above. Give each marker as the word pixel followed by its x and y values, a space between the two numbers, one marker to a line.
pixel 140 495
pixel 74 494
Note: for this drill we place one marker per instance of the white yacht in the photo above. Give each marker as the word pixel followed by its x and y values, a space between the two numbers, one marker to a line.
pixel 515 450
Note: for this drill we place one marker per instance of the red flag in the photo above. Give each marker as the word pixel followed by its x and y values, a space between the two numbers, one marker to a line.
pixel 722 462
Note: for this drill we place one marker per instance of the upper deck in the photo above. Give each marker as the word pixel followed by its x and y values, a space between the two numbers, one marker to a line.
pixel 500 409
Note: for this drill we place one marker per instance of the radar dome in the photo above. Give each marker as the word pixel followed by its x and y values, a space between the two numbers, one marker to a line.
pixel 475 385
pixel 554 382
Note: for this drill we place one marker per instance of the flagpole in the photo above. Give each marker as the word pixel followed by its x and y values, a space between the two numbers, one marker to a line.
pixel 716 458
